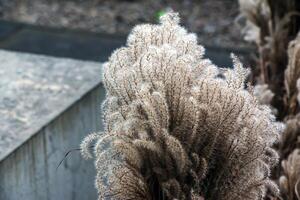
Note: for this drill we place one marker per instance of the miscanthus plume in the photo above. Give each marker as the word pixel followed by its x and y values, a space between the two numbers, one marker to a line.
pixel 178 127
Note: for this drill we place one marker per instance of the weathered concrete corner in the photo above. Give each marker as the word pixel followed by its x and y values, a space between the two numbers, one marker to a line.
pixel 35 89
pixel 47 106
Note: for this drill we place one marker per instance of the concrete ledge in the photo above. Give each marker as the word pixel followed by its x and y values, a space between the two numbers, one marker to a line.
pixel 36 89
pixel 47 106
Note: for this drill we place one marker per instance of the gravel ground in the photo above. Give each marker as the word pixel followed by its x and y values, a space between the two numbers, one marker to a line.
pixel 213 20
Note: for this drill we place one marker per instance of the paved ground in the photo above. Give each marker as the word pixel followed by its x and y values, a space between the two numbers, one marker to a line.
pixel 77 44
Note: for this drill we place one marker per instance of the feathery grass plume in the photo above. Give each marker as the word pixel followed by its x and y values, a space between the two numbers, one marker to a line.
pixel 292 74
pixel 290 138
pixel 288 143
pixel 298 86
pixel 263 94
pixel 174 129
pixel 272 24
pixel 290 182
pixel 257 14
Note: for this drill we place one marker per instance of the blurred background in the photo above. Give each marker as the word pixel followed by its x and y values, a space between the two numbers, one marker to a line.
pixel 54 26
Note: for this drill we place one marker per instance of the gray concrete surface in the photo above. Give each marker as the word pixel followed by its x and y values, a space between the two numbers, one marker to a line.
pixel 47 106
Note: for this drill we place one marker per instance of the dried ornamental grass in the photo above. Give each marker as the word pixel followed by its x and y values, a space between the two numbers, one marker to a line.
pixel 298 86
pixel 292 74
pixel 290 138
pixel 290 181
pixel 272 25
pixel 263 94
pixel 176 126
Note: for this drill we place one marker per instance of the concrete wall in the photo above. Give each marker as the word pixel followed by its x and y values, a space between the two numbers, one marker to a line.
pixel 47 106
pixel 30 173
